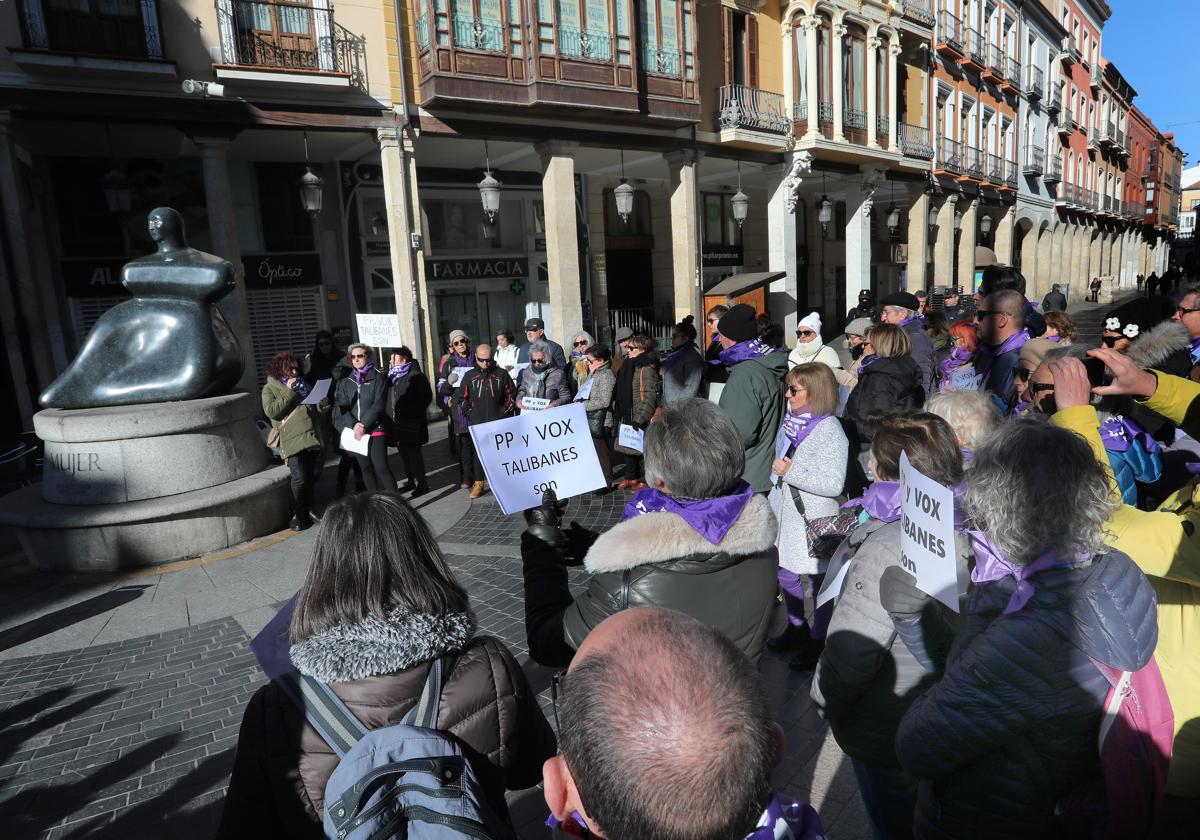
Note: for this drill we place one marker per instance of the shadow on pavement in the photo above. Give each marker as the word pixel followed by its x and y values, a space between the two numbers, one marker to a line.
pixel 68 616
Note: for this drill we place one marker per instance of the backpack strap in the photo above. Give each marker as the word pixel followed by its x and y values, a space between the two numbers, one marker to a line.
pixel 425 713
pixel 324 710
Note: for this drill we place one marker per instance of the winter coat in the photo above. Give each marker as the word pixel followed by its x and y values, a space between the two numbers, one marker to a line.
pixel 598 405
pixel 298 424
pixel 483 396
pixel 557 357
pixel 1054 302
pixel 867 678
pixel 818 475
pixel 447 393
pixel 637 392
pixel 753 399
pixel 964 309
pixel 554 386
pixel 884 385
pixel 1165 544
pixel 407 404
pixel 506 357
pixel 282 765
pixel 1013 723
pixel 814 351
pixel 681 381
pixel 922 352
pixel 657 559
pixel 366 403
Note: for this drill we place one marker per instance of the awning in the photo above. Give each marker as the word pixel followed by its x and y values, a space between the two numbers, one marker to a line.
pixel 737 284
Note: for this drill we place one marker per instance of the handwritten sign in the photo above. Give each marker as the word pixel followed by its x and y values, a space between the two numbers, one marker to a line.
pixel 927 543
pixel 526 455
pixel 966 380
pixel 629 437
pixel 585 391
pixel 379 330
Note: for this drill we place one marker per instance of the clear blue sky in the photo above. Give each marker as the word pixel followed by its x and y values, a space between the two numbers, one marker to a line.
pixel 1155 44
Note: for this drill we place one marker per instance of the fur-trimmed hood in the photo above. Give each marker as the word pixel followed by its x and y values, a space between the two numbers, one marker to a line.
pixel 1159 344
pixel 662 536
pixel 375 646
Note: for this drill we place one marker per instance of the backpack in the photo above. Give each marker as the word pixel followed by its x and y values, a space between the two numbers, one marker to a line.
pixel 1136 735
pixel 407 780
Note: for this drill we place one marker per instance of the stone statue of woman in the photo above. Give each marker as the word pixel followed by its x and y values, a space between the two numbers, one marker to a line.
pixel 170 342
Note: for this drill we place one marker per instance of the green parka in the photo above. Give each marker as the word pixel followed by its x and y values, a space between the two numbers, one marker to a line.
pixel 297 431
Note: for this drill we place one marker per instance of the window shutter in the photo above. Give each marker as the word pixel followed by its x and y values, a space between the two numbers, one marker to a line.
pixel 727 41
pixel 752 50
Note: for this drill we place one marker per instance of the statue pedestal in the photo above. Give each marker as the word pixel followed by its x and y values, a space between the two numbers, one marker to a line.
pixel 137 485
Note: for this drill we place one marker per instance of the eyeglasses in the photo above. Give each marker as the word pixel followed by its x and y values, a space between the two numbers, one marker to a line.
pixel 793 390
pixel 1110 340
pixel 1022 373
pixel 581 344
pixel 459 341
pixel 980 314
pixel 805 333
pixel 1038 387
pixel 534 361
pixel 358 355
pixel 1183 310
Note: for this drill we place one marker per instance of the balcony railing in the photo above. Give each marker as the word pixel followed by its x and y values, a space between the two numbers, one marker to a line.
pixel 974 46
pixel 1033 84
pixel 578 43
pixel 881 125
pixel 1070 52
pixel 995 169
pixel 800 110
pixel 1093 142
pixel 661 62
pixel 950 156
pixel 1135 211
pixel 475 34
pixel 975 163
pixel 128 29
pixel 1053 172
pixel 950 31
pixel 918 10
pixel 1014 72
pixel 996 63
pixel 1010 174
pixel 1096 74
pixel 914 141
pixel 854 118
pixel 751 108
pixel 288 37
pixel 1054 101
pixel 1106 204
pixel 825 112
pixel 1035 160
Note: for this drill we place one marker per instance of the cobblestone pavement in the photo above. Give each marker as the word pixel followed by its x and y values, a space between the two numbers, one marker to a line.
pixel 120 698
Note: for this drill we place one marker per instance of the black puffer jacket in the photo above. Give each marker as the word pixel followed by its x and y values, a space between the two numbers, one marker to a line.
pixel 656 559
pixel 364 403
pixel 885 385
pixel 407 405
pixel 1013 723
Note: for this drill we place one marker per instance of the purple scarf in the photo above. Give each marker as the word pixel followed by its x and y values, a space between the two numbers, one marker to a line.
pixel 1119 433
pixel 710 518
pixel 300 387
pixel 744 350
pixel 360 375
pixel 1195 350
pixel 867 361
pixel 458 360
pixel 919 318
pixel 990 565
pixel 798 424
pixel 881 501
pixel 675 355
pixel 958 357
pixel 1055 338
pixel 984 359
pixel 785 817
pixel 398 372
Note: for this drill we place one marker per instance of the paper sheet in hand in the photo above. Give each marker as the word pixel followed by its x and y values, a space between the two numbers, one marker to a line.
pixel 526 455
pixel 927 548
pixel 351 445
pixel 319 391
pixel 534 403
pixel 629 437
pixel 966 380
pixel 456 375
pixel 835 575
pixel 585 391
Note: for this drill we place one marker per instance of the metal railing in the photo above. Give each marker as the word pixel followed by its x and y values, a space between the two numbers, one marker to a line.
pixel 1033 84
pixel 290 37
pixel 854 118
pixel 995 169
pixel 474 34
pixel 582 43
pixel 1106 204
pixel 975 46
pixel 825 112
pixel 950 31
pixel 975 163
pixel 1014 72
pixel 800 110
pixel 918 10
pixel 1054 100
pixel 1035 160
pixel 1096 75
pixel 661 62
pixel 996 60
pixel 950 156
pixel 1134 210
pixel 1066 122
pixel 914 141
pixel 747 107
pixel 881 125
pixel 1070 52
pixel 1010 174
pixel 130 29
pixel 1089 200
pixel 1107 133
pixel 1054 169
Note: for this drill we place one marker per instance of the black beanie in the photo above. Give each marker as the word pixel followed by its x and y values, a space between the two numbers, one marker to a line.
pixel 739 323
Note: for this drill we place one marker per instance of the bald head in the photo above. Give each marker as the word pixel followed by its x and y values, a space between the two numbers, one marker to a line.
pixel 666 729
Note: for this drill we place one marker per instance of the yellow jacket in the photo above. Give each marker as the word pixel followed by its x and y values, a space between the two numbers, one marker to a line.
pixel 1165 544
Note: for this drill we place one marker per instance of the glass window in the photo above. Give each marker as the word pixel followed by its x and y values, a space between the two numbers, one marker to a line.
pixel 720 227
pixel 459 226
pixel 285 224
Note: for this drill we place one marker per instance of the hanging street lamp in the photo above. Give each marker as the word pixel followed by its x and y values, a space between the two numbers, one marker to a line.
pixel 311 186
pixel 489 187
pixel 740 202
pixel 623 194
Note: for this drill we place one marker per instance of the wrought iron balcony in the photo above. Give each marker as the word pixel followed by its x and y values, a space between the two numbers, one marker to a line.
pixel 661 62
pixel 1096 76
pixel 1010 174
pixel 881 125
pixel 854 118
pixel 1070 52
pixel 1033 84
pixel 1013 75
pixel 289 37
pixel 919 11
pixel 996 63
pixel 950 156
pixel 1054 101
pixel 1035 160
pixel 949 37
pixel 578 43
pixel 1106 204
pixel 123 29
pixel 995 169
pixel 975 49
pixel 825 112
pixel 914 141
pixel 800 110
pixel 975 163
pixel 1106 134
pixel 1093 142
pixel 1053 173
pixel 750 108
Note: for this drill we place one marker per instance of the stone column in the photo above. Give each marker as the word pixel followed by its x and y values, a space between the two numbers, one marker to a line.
pixel 839 84
pixel 785 184
pixel 24 283
pixel 967 239
pixel 1004 235
pixel 393 156
pixel 1075 265
pixel 918 242
pixel 562 237
pixel 943 251
pixel 811 92
pixel 858 232
pixel 684 233
pixel 222 225
pixel 893 117
pixel 874 44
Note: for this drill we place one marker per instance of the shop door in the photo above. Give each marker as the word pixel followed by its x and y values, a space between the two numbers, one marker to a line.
pixel 480 309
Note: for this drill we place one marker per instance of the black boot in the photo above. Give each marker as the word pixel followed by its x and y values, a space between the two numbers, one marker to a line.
pixel 793 638
pixel 810 653
pixel 406 487
pixel 420 490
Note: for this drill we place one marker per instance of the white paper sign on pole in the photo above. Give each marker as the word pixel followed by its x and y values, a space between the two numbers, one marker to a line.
pixel 927 543
pixel 360 446
pixel 585 391
pixel 379 330
pixel 526 455
pixel 629 437
pixel 534 403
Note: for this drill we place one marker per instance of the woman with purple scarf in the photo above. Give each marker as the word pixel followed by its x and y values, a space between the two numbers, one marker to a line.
pixel 683 366
pixel 867 676
pixel 360 404
pixel 811 456
pixel 298 427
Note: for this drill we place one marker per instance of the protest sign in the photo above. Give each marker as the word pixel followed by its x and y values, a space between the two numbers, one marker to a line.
pixel 965 380
pixel 534 403
pixel 360 446
pixel 379 330
pixel 526 455
pixel 585 391
pixel 629 437
pixel 320 390
pixel 456 375
pixel 927 542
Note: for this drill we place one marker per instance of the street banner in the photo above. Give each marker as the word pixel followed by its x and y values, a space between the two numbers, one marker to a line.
pixel 379 330
pixel 629 437
pixel 927 542
pixel 526 455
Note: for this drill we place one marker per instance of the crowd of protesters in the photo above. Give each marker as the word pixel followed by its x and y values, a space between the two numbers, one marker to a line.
pixel 1059 697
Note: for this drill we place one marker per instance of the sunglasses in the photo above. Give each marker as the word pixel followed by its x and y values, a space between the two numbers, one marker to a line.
pixel 1110 340
pixel 459 341
pixel 1037 388
pixel 358 355
pixel 980 314
pixel 581 344
pixel 805 333
pixel 1022 373
pixel 793 390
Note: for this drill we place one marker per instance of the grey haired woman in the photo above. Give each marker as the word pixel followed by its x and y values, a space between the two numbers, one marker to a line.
pixel 542 380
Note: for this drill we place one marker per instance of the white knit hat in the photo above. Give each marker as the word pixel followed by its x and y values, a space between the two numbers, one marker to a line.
pixel 812 320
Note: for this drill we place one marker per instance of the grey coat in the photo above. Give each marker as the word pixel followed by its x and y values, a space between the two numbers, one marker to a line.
pixel 818 471
pixel 866 678
pixel 682 380
pixel 598 405
pixel 555 386
pixel 922 353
